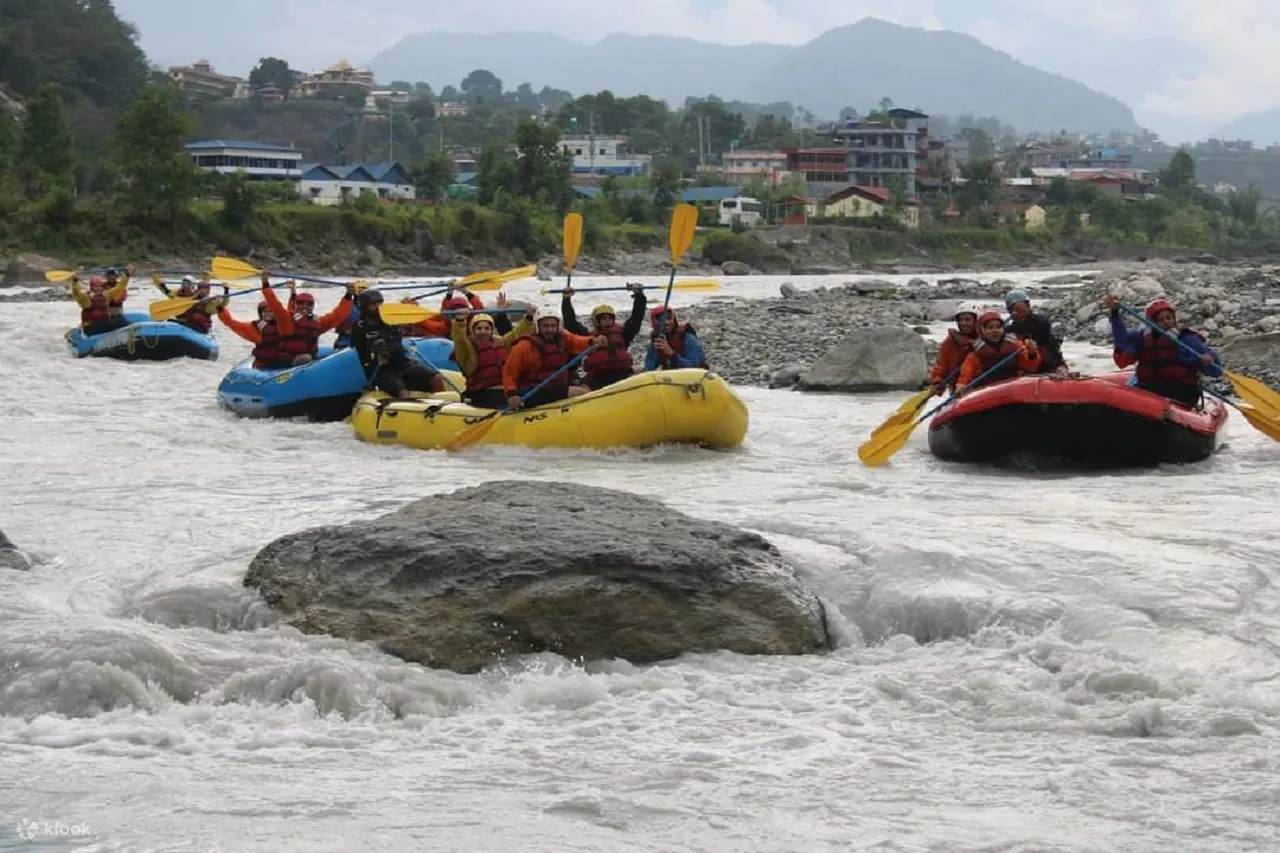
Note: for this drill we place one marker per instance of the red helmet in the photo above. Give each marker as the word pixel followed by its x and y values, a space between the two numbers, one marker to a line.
pixel 456 302
pixel 655 313
pixel 987 316
pixel 305 299
pixel 1155 306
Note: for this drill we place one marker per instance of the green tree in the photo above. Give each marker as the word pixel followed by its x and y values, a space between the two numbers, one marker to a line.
pixel 542 169
pixel 983 185
pixel 238 201
pixel 271 70
pixel 1181 173
pixel 482 87
pixel 494 173
pixel 1244 206
pixel 48 159
pixel 433 176
pixel 980 145
pixel 159 177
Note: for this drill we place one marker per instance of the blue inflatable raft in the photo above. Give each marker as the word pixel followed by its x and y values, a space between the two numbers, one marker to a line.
pixel 144 340
pixel 324 390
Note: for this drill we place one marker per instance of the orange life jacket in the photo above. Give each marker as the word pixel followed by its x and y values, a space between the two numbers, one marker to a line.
pixel 551 357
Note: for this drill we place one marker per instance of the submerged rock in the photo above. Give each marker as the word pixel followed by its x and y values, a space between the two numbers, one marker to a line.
pixel 11 557
pixel 877 359
pixel 514 567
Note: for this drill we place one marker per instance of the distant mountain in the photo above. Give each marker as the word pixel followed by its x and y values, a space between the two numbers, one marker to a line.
pixel 937 71
pixel 1262 127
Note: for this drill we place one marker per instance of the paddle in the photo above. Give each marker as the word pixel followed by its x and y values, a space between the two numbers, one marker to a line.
pixel 1264 402
pixel 701 285
pixel 572 244
pixel 176 306
pixel 64 275
pixel 232 268
pixel 878 449
pixel 480 428
pixel 408 314
pixel 912 404
pixel 684 221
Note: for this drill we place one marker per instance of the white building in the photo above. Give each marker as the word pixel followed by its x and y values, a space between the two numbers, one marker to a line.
pixel 742 166
pixel 451 109
pixel 330 185
pixel 604 155
pixel 258 160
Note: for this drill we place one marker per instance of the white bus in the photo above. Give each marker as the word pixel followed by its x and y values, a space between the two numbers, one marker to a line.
pixel 742 209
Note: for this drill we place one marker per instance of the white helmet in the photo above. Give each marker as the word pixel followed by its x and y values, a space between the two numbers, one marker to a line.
pixel 187 279
pixel 967 308
pixel 546 314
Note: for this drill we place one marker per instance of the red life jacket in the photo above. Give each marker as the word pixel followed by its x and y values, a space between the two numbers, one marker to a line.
pixel 267 352
pixel 989 355
pixel 613 358
pixel 552 357
pixel 1158 362
pixel 197 319
pixel 99 310
pixel 305 339
pixel 676 342
pixel 490 358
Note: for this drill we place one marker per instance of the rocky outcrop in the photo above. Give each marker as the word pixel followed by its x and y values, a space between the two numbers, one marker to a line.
pixel 1255 355
pixel 876 359
pixel 29 268
pixel 735 268
pixel 11 557
pixel 461 580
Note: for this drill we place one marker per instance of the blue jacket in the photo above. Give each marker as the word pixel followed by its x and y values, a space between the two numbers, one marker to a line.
pixel 343 341
pixel 1131 342
pixel 694 355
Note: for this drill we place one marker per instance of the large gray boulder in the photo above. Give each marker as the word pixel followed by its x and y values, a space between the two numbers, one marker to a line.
pixel 514 567
pixel 29 268
pixel 735 268
pixel 11 557
pixel 1255 355
pixel 876 359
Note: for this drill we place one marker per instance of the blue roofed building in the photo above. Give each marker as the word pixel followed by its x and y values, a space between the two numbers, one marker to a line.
pixel 329 185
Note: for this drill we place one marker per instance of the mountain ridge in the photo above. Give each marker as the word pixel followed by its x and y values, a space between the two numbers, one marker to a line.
pixel 939 71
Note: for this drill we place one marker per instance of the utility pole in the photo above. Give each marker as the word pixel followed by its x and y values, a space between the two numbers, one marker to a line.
pixel 391 131
pixel 702 160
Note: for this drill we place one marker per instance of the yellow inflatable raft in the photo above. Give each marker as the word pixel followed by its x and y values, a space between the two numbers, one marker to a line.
pixel 691 406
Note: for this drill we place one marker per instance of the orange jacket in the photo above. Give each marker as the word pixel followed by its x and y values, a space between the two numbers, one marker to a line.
pixel 1027 362
pixel 247 330
pixel 951 355
pixel 284 317
pixel 524 360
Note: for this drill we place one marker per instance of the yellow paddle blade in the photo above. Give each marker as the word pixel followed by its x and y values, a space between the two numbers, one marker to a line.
pixel 877 450
pixel 572 239
pixel 405 313
pixel 699 285
pixel 493 279
pixel 165 309
pixel 904 413
pixel 232 268
pixel 684 221
pixel 472 434
pixel 1257 393
pixel 1263 422
pixel 58 275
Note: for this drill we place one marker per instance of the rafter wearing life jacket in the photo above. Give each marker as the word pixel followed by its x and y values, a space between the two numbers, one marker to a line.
pixel 101 308
pixel 263 333
pixel 991 349
pixel 536 357
pixel 681 338
pixel 300 335
pixel 1164 367
pixel 956 346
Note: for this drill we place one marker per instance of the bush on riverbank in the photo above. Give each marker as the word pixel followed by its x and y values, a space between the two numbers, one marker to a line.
pixel 746 248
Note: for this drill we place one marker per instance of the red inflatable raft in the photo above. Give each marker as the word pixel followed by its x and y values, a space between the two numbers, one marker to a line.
pixel 1100 420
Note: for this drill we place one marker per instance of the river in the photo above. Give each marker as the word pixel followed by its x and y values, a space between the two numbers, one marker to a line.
pixel 1029 660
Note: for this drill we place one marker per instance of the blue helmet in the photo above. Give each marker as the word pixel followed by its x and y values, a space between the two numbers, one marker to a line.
pixel 1013 297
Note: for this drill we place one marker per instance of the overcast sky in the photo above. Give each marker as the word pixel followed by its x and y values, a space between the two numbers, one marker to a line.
pixel 1185 66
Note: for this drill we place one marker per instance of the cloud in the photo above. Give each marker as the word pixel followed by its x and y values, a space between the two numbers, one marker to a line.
pixel 1182 64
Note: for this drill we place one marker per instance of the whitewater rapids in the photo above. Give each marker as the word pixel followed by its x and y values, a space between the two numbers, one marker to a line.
pixel 1030 660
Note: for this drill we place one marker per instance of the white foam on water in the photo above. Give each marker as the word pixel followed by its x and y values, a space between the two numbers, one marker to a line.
pixel 1027 660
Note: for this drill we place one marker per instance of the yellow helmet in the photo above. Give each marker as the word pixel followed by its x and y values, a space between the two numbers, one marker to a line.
pixel 603 309
pixel 478 318
pixel 359 287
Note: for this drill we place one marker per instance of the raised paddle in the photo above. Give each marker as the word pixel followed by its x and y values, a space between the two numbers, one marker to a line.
pixel 684 221
pixel 175 306
pixel 233 268
pixel 572 244
pixel 878 449
pixel 1264 402
pixel 480 428
pixel 699 285
pixel 912 404
pixel 409 314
